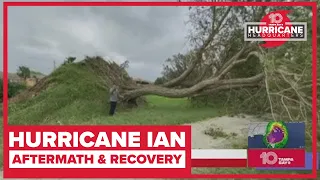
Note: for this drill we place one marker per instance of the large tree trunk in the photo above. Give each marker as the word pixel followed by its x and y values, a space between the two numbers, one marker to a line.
pixel 186 92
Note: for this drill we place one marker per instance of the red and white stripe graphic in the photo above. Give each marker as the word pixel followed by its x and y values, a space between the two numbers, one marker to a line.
pixel 219 158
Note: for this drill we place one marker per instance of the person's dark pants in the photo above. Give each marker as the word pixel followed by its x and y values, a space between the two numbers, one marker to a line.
pixel 113 106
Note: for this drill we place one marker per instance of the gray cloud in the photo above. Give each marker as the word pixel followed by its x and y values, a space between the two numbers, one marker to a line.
pixel 146 36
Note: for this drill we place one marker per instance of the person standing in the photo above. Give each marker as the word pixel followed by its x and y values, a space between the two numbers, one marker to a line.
pixel 114 96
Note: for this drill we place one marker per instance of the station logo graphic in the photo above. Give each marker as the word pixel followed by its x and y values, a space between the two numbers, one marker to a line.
pixel 275 29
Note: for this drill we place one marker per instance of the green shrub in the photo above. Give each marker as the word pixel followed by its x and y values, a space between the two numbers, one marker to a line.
pixel 13 89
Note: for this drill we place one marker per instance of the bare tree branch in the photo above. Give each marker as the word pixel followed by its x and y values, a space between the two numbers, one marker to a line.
pixel 199 53
pixel 235 62
pixel 200 78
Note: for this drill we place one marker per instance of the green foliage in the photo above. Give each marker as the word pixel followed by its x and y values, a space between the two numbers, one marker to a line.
pixel 23 72
pixel 175 66
pixel 73 94
pixel 159 80
pixel 69 60
pixel 72 88
pixel 13 89
pixel 248 69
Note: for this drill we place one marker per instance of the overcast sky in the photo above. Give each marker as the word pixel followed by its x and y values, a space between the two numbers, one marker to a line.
pixel 145 36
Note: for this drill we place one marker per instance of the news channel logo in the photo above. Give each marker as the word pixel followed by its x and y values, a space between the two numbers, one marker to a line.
pixel 275 29
pixel 271 158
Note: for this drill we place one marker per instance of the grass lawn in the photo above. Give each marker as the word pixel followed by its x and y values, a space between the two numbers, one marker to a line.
pixel 162 110
pixel 159 110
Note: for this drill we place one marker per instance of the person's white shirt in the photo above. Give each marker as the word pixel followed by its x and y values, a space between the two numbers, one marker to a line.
pixel 114 94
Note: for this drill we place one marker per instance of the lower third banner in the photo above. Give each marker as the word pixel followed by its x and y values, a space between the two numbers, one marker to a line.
pixel 97 151
pixel 236 158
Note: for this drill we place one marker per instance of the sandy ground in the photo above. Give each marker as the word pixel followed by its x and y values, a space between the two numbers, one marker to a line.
pixel 237 124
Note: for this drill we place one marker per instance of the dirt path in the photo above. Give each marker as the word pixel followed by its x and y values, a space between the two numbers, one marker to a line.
pixel 232 126
pixel 237 126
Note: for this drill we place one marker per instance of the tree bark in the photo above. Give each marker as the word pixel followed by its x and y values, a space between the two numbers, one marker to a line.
pixel 224 87
pixel 185 92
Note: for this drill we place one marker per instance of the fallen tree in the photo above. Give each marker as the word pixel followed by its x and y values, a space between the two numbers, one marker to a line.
pixel 217 38
pixel 279 85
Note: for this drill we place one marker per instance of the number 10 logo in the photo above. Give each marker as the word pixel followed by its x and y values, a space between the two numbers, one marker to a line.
pixel 275 18
pixel 269 158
